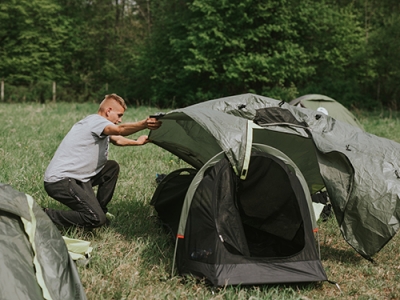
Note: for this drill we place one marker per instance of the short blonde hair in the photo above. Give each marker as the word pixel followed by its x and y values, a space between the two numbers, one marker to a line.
pixel 115 97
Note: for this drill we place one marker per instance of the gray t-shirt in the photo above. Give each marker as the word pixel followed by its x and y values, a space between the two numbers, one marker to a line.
pixel 82 153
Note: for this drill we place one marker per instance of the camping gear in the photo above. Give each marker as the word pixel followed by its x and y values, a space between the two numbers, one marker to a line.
pixel 359 171
pixel 169 205
pixel 34 263
pixel 79 250
pixel 328 106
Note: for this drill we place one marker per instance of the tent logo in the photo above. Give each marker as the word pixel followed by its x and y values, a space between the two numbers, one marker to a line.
pixel 323 110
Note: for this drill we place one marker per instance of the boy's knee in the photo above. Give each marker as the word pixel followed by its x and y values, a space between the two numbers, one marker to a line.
pixel 96 220
pixel 113 165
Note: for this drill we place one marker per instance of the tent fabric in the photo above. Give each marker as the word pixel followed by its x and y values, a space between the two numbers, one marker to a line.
pixel 34 263
pixel 359 170
pixel 328 106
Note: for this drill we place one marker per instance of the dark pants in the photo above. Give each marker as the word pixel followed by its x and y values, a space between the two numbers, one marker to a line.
pixel 87 209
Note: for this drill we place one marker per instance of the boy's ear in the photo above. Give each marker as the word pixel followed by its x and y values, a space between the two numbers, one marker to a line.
pixel 108 110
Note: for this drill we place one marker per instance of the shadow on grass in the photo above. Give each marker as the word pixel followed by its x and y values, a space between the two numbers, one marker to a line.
pixel 134 219
pixel 348 256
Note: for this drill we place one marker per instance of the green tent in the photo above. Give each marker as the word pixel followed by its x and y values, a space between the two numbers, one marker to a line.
pixel 34 263
pixel 327 106
pixel 360 171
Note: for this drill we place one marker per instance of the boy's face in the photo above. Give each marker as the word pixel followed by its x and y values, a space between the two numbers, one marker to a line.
pixel 114 113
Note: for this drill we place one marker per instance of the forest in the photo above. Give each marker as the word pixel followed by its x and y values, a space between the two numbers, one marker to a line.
pixel 174 53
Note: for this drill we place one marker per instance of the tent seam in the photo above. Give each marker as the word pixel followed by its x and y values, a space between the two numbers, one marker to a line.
pixel 30 229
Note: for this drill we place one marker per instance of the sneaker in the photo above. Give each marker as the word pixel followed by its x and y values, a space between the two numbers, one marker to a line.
pixel 110 216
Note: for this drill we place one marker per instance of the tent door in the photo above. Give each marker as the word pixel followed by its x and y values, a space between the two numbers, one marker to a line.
pixel 269 208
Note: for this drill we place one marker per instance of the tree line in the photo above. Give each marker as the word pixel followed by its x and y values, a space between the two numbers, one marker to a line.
pixel 173 53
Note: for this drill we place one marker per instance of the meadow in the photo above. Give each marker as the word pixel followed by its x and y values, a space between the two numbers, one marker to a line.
pixel 132 258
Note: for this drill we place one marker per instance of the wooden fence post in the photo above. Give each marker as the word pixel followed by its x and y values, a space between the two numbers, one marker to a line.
pixel 2 90
pixel 54 91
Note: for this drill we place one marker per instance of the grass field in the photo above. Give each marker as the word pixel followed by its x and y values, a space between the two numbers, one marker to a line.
pixel 132 259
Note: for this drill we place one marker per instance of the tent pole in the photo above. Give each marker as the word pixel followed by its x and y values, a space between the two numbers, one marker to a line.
pixel 249 142
pixel 319 246
pixel 173 261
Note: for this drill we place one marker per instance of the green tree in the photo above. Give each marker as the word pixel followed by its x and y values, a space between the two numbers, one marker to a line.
pixel 106 36
pixel 32 36
pixel 158 76
pixel 204 49
pixel 179 52
pixel 244 46
pixel 85 46
pixel 382 31
pixel 379 22
pixel 334 41
pixel 385 45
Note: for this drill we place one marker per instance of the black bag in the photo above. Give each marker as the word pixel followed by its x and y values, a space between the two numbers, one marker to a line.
pixel 169 196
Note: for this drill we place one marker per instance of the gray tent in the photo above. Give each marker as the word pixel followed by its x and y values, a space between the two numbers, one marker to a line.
pixel 34 260
pixel 360 171
pixel 328 106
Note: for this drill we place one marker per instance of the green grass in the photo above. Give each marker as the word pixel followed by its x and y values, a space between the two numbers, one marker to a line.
pixel 132 259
